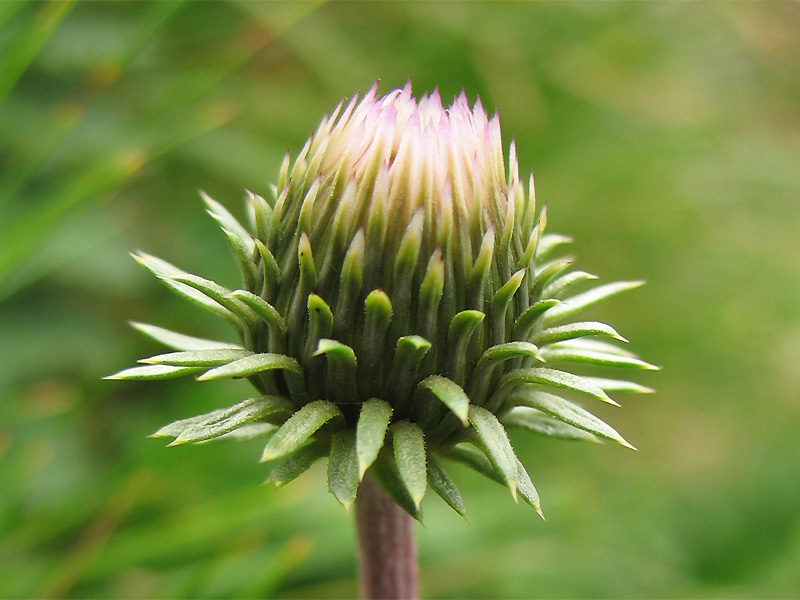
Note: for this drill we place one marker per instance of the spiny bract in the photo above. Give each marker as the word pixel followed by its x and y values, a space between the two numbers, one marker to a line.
pixel 399 306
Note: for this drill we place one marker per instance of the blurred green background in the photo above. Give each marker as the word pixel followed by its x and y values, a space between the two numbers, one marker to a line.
pixel 665 138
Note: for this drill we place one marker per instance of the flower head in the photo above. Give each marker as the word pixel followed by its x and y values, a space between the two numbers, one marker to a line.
pixel 399 307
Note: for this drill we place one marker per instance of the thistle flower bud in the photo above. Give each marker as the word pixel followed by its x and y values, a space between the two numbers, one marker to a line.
pixel 399 306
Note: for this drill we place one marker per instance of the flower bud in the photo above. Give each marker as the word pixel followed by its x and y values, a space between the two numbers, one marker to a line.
pixel 400 306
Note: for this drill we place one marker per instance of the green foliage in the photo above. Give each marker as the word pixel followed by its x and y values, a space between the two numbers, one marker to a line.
pixel 298 462
pixel 568 412
pixel 198 358
pixel 536 421
pixel 493 440
pixel 408 441
pixel 251 364
pixel 343 476
pixel 450 393
pixel 219 422
pixel 370 432
pixel 548 377
pixel 297 430
pixel 444 486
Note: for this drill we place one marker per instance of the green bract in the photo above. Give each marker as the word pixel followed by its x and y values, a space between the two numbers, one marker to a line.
pixel 399 309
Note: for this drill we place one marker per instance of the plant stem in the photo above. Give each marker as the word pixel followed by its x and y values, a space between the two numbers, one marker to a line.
pixel 387 546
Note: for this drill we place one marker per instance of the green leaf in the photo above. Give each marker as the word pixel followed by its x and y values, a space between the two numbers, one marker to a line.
pixel 297 463
pixel 385 471
pixel 549 242
pixel 542 424
pixel 219 294
pixel 247 267
pixel 176 428
pixel 527 320
pixel 552 378
pixel 377 315
pixel 474 459
pixel 179 341
pixel 574 330
pixel 508 228
pixel 320 322
pixel 272 272
pixel 529 213
pixel 593 345
pixel 482 375
pixel 378 312
pixel 299 428
pixel 250 431
pixel 462 325
pixel 220 422
pixel 564 282
pixel 340 352
pixel 197 358
pixel 616 385
pixel 371 432
pixel 527 490
pixel 409 456
pixel 351 280
pixel 572 306
pixel 229 223
pixel 500 304
pixel 480 270
pixel 408 355
pixel 332 235
pixel 568 413
pixel 261 214
pixel 262 407
pixel 340 378
pixel 555 355
pixel 308 270
pixel 263 309
pixel 320 325
pixel 343 467
pixel 405 264
pixel 533 241
pixel 494 442
pixel 153 372
pixel 250 365
pixel 547 273
pixel 451 394
pixel 311 205
pixel 441 483
pixel 461 329
pixel 169 275
pixel 430 294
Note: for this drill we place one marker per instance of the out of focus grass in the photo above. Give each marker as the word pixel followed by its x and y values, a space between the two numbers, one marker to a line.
pixel 665 137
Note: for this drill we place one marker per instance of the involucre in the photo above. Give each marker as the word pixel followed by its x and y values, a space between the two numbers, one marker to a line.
pixel 400 306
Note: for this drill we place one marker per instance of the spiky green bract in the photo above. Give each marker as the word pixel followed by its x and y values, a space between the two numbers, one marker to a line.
pixel 399 306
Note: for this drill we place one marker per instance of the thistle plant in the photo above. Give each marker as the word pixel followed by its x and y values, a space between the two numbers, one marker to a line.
pixel 401 306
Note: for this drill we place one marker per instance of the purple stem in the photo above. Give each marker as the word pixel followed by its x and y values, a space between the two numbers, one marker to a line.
pixel 387 546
